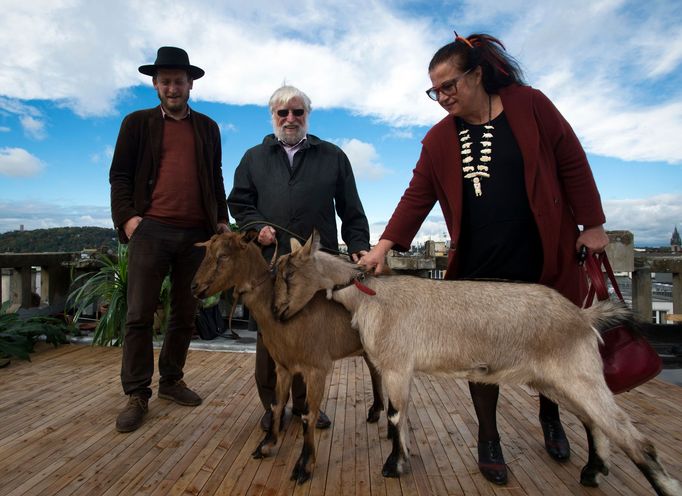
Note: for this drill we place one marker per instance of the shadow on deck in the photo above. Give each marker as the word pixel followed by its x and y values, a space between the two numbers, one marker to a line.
pixel 57 435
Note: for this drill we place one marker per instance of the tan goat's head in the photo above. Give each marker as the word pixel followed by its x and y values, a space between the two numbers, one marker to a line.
pixel 297 279
pixel 223 263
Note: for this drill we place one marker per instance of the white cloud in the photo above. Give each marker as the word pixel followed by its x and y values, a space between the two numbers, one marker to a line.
pixel 30 118
pixel 34 215
pixel 651 220
pixel 364 159
pixel 35 128
pixel 5 129
pixel 17 162
pixel 103 156
pixel 227 127
pixel 400 133
pixel 600 61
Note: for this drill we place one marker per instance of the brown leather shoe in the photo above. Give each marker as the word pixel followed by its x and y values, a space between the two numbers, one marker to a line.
pixel 132 415
pixel 180 393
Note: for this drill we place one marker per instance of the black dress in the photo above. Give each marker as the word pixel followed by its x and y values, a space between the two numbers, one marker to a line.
pixel 499 238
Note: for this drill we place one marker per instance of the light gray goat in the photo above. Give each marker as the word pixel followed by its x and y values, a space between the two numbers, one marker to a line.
pixel 487 332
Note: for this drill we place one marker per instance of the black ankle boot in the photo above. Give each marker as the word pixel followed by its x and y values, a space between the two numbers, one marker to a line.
pixel 556 442
pixel 491 462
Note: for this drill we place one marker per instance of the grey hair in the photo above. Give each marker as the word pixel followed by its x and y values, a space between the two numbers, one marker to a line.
pixel 284 94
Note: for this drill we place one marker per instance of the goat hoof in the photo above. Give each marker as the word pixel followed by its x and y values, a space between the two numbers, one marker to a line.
pixel 391 467
pixel 257 453
pixel 300 474
pixel 589 474
pixel 264 447
pixel 374 414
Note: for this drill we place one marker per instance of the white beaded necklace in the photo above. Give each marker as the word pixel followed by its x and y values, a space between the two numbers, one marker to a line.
pixel 476 173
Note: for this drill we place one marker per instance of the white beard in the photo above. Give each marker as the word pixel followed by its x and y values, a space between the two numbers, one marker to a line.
pixel 288 138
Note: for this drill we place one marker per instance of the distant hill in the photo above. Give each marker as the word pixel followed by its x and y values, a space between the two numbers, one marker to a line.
pixel 58 239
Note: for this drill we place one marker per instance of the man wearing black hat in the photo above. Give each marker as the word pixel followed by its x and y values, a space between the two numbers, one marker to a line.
pixel 167 193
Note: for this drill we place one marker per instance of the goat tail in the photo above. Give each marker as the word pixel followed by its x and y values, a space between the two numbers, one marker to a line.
pixel 606 314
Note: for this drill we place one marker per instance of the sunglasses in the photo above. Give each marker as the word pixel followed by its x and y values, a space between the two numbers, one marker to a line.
pixel 285 112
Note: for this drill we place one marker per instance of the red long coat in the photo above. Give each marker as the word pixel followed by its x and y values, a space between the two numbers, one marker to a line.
pixel 561 189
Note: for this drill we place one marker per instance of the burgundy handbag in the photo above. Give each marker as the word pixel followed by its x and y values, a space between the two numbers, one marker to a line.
pixel 629 359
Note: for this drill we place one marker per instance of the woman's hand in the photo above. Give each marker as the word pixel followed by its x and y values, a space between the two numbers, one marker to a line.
pixel 356 256
pixel 376 257
pixel 594 238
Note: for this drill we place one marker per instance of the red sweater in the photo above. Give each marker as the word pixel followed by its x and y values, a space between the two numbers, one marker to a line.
pixel 561 190
pixel 176 198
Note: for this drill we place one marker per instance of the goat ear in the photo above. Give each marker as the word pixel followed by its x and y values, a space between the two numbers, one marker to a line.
pixel 249 236
pixel 315 238
pixel 312 245
pixel 208 242
pixel 295 244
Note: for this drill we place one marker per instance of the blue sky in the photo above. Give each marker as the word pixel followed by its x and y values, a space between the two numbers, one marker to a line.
pixel 68 75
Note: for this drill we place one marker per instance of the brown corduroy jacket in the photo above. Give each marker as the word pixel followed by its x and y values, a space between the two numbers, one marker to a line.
pixel 136 160
pixel 561 189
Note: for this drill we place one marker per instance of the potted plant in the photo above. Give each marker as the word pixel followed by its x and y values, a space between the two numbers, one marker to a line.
pixel 106 290
pixel 19 335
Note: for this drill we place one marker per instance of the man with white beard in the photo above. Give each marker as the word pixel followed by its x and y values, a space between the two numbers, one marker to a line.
pixel 294 182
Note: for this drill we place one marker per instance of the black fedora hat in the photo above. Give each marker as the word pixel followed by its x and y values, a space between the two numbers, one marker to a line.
pixel 171 58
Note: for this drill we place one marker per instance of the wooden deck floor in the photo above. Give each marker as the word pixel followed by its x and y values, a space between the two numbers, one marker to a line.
pixel 57 435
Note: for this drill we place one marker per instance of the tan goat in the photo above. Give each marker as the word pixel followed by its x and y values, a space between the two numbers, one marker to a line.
pixel 486 332
pixel 307 344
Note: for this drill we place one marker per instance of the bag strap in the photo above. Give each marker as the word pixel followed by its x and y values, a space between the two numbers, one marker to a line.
pixel 593 265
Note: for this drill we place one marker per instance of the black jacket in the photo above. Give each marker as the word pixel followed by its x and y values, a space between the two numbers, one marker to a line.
pixel 321 184
pixel 135 165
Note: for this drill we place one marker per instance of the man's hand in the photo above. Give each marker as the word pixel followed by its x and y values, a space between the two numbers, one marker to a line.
pixel 266 236
pixel 222 228
pixel 131 225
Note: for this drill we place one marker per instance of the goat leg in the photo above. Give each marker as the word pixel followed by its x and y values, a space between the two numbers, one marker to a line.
pixel 393 466
pixel 374 412
pixel 265 446
pixel 301 472
pixel 595 465
pixel 315 381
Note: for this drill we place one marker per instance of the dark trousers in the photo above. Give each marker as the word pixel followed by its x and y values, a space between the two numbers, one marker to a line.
pixel 154 250
pixel 266 380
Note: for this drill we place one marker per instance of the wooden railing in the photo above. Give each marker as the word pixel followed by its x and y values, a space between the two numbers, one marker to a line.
pixel 56 269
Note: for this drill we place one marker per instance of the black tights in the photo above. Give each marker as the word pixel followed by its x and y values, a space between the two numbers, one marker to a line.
pixel 484 397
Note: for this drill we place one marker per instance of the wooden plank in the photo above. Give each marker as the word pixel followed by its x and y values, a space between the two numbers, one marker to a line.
pixel 58 437
pixel 361 406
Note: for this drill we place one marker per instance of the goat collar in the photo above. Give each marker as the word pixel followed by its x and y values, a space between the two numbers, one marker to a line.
pixel 356 281
pixel 253 284
pixel 236 293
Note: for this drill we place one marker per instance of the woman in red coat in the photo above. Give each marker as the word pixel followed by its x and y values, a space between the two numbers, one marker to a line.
pixel 517 194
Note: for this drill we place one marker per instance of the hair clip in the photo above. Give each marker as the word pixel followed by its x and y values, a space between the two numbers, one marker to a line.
pixel 463 40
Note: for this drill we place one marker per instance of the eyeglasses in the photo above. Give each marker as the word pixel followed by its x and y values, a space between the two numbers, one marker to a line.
pixel 448 88
pixel 285 112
